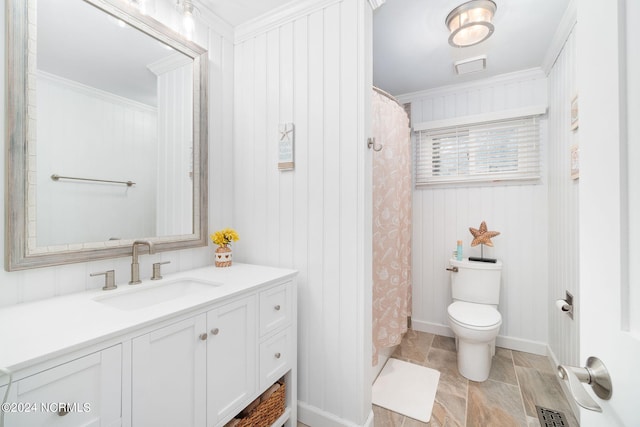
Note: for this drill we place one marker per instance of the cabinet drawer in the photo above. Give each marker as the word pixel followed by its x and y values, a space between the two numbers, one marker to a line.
pixel 82 392
pixel 275 358
pixel 275 308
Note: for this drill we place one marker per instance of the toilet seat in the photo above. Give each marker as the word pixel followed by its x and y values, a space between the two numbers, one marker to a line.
pixel 474 316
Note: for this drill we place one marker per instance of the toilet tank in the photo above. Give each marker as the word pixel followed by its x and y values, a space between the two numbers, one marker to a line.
pixel 476 281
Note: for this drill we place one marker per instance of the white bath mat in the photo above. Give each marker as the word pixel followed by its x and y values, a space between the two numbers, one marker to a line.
pixel 406 388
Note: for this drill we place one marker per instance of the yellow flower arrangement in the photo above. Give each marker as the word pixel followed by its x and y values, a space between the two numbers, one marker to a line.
pixel 224 237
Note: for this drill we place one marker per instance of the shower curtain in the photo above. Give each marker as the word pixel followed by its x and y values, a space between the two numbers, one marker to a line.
pixel 391 222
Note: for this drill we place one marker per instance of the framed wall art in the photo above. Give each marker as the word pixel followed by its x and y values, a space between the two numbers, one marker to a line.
pixel 575 161
pixel 286 139
pixel 574 113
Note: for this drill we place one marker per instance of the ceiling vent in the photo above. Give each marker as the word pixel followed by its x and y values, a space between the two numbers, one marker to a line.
pixel 471 65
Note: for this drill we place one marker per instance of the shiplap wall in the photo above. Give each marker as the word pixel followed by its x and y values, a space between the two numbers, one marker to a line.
pixel 519 212
pixel 217 37
pixel 563 207
pixel 111 140
pixel 309 68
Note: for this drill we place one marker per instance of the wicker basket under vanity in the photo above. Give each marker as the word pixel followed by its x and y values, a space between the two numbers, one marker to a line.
pixel 267 411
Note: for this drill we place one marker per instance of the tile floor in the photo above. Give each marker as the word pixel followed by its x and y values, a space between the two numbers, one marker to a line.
pixel 517 383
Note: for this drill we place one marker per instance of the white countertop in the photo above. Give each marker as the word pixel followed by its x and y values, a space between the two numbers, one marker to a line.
pixel 34 332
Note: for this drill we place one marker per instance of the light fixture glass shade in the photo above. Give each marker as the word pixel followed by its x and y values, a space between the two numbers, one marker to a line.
pixel 189 23
pixel 188 10
pixel 470 23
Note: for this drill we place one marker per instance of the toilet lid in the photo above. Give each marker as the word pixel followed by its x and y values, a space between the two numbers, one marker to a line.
pixel 472 314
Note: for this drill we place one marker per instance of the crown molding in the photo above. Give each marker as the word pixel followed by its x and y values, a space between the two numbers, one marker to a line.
pixel 376 3
pixel 567 23
pixel 213 21
pixel 169 63
pixel 278 17
pixel 95 92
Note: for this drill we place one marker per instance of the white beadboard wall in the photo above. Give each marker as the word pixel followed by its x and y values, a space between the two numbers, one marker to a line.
pixel 115 134
pixel 308 67
pixel 174 204
pixel 212 33
pixel 563 208
pixel 519 212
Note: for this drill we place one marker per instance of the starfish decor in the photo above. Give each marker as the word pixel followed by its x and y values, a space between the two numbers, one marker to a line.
pixel 483 235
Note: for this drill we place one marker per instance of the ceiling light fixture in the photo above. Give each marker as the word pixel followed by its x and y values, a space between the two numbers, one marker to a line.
pixel 470 23
pixel 141 5
pixel 188 10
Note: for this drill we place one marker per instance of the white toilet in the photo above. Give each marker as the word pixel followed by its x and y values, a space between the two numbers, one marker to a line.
pixel 474 316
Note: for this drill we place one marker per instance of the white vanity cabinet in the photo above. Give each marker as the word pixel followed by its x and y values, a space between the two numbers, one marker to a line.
pixel 203 370
pixel 82 392
pixel 276 330
pixel 167 383
pixel 197 359
pixel 231 359
pixel 198 371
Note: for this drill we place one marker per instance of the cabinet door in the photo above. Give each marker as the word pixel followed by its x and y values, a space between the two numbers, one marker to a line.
pixel 168 375
pixel 84 392
pixel 231 358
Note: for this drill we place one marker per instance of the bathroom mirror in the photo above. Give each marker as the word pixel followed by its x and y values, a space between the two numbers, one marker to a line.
pixel 106 133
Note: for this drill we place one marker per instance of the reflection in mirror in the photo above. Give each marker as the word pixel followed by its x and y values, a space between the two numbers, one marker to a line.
pixel 112 133
pixel 103 118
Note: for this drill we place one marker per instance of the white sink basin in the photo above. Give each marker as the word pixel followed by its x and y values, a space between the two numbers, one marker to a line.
pixel 151 294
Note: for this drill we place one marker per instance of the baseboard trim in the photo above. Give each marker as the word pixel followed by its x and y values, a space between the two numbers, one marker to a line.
pixel 511 343
pixel 316 417
pixel 433 328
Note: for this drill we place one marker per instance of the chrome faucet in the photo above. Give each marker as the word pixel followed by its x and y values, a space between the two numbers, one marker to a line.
pixel 135 267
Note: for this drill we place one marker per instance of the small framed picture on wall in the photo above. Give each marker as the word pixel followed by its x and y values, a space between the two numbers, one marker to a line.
pixel 575 161
pixel 574 113
pixel 285 146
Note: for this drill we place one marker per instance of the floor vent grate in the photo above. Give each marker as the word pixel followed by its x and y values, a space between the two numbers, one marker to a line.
pixel 551 418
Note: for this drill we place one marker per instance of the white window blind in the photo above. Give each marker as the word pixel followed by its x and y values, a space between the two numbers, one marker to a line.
pixel 500 150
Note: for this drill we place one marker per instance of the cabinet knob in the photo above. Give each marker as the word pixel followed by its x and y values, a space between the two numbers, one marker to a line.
pixel 215 331
pixel 277 355
pixel 203 337
pixel 277 307
pixel 63 410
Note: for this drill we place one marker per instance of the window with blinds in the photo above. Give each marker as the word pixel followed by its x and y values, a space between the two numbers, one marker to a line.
pixel 502 150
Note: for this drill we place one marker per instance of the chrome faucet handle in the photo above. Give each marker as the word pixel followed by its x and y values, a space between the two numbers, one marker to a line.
pixel 156 270
pixel 109 279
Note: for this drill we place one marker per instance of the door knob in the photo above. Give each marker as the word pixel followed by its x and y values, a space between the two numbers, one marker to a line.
pixel 594 374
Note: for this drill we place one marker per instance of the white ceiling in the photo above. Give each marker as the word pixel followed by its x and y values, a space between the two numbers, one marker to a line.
pixel 410 48
pixel 83 44
pixel 411 52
